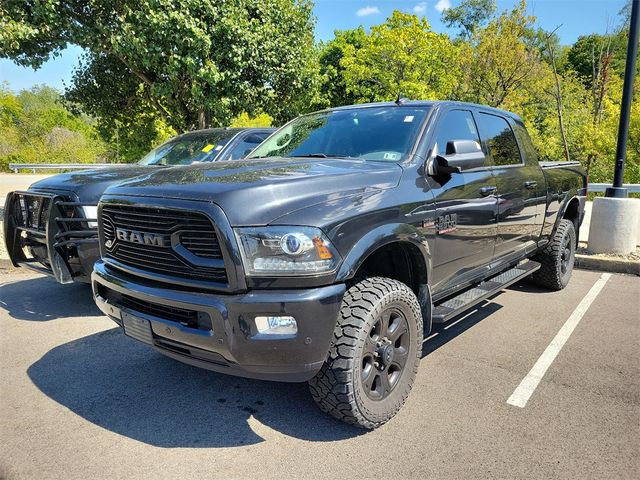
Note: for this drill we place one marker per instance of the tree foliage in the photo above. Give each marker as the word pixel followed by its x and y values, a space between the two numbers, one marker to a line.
pixel 35 127
pixel 155 67
pixel 245 120
pixel 469 15
pixel 334 86
pixel 401 57
pixel 501 64
pixel 193 63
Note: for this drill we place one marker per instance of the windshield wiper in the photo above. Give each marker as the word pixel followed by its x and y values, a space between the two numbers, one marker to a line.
pixel 312 155
pixel 324 155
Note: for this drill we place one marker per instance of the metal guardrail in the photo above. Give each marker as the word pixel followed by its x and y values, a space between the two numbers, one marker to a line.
pixel 60 166
pixel 601 187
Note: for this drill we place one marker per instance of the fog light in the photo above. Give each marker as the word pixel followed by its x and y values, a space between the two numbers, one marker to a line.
pixel 277 325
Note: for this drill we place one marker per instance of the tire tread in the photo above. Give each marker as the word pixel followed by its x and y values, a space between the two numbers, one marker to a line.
pixel 333 387
pixel 549 275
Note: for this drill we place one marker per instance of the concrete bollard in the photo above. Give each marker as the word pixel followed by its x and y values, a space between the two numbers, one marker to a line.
pixel 615 225
pixel 638 231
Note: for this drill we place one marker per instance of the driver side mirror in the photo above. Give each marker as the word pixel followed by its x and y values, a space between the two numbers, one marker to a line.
pixel 460 155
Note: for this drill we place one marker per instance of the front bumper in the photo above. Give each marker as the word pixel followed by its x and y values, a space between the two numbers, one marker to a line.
pixel 223 336
pixel 47 232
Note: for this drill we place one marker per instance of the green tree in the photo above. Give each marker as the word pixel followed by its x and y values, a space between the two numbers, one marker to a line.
pixel 334 87
pixel 594 52
pixel 35 127
pixel 502 67
pixel 403 56
pixel 244 120
pixel 195 63
pixel 469 15
pixel 126 116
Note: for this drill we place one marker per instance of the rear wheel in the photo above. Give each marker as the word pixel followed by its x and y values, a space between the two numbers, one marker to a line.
pixel 374 357
pixel 557 258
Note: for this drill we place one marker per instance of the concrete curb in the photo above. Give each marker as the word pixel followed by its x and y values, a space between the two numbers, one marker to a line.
pixel 5 264
pixel 603 264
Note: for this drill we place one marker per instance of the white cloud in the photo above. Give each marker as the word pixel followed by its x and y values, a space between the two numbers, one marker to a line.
pixel 366 11
pixel 420 8
pixel 443 5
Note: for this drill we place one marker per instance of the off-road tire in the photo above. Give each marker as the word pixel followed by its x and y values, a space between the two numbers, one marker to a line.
pixel 557 258
pixel 339 388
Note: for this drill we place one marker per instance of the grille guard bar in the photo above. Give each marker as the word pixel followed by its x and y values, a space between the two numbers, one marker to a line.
pixel 53 229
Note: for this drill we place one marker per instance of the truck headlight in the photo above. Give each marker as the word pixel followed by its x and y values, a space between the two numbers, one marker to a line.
pixel 286 251
pixel 92 213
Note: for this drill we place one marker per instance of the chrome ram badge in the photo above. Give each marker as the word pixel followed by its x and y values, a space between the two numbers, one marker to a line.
pixel 133 236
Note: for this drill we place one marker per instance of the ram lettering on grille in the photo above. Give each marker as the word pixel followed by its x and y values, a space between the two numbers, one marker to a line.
pixel 133 236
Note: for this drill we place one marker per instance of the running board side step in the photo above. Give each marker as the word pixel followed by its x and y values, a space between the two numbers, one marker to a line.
pixel 454 306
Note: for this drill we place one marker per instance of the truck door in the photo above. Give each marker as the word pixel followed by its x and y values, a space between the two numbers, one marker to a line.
pixel 465 222
pixel 521 187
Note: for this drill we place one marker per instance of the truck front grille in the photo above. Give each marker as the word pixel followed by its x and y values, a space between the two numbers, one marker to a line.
pixel 174 243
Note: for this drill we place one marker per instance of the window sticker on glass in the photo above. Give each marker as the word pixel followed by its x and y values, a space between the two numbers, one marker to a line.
pixel 408 119
pixel 208 148
pixel 218 147
pixel 391 156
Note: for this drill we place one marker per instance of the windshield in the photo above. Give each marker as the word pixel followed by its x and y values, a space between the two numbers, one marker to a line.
pixel 189 148
pixel 371 133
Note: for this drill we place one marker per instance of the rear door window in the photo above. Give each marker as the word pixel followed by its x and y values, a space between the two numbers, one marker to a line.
pixel 503 146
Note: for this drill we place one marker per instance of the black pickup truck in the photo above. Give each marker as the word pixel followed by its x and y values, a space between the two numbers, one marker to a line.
pixel 52 227
pixel 327 254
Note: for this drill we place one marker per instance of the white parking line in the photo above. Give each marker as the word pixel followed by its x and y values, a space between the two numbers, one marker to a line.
pixel 528 385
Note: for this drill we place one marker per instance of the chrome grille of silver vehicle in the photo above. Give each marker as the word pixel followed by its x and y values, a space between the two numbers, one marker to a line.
pixel 153 241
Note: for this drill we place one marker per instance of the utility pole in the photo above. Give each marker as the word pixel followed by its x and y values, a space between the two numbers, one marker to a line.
pixel 625 109
pixel 615 219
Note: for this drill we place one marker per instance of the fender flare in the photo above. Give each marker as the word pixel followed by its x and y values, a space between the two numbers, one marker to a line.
pixel 379 237
pixel 386 235
pixel 570 197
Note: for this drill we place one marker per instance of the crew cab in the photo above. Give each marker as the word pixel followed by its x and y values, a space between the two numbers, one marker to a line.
pixel 328 253
pixel 51 227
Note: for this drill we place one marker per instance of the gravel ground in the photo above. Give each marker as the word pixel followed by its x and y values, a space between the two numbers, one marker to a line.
pixel 632 257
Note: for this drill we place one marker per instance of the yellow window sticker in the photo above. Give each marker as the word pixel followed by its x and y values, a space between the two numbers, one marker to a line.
pixel 208 148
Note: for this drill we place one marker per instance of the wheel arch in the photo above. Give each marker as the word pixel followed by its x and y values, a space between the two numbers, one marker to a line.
pixel 573 210
pixel 398 251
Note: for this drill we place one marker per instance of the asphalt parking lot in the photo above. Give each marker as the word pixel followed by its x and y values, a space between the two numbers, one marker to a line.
pixel 79 400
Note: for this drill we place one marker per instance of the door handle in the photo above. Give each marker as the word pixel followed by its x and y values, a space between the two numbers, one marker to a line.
pixel 531 184
pixel 485 191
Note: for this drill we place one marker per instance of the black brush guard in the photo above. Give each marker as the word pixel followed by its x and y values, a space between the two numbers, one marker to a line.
pixel 50 227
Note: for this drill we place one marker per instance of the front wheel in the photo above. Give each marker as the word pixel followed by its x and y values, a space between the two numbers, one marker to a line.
pixel 374 356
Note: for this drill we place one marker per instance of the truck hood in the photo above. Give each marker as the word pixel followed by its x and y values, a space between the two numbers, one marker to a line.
pixel 89 185
pixel 255 192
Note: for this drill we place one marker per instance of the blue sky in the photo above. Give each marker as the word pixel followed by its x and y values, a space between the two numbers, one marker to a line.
pixel 577 17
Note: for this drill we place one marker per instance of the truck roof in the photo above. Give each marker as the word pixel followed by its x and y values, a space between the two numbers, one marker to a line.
pixel 232 130
pixel 426 103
